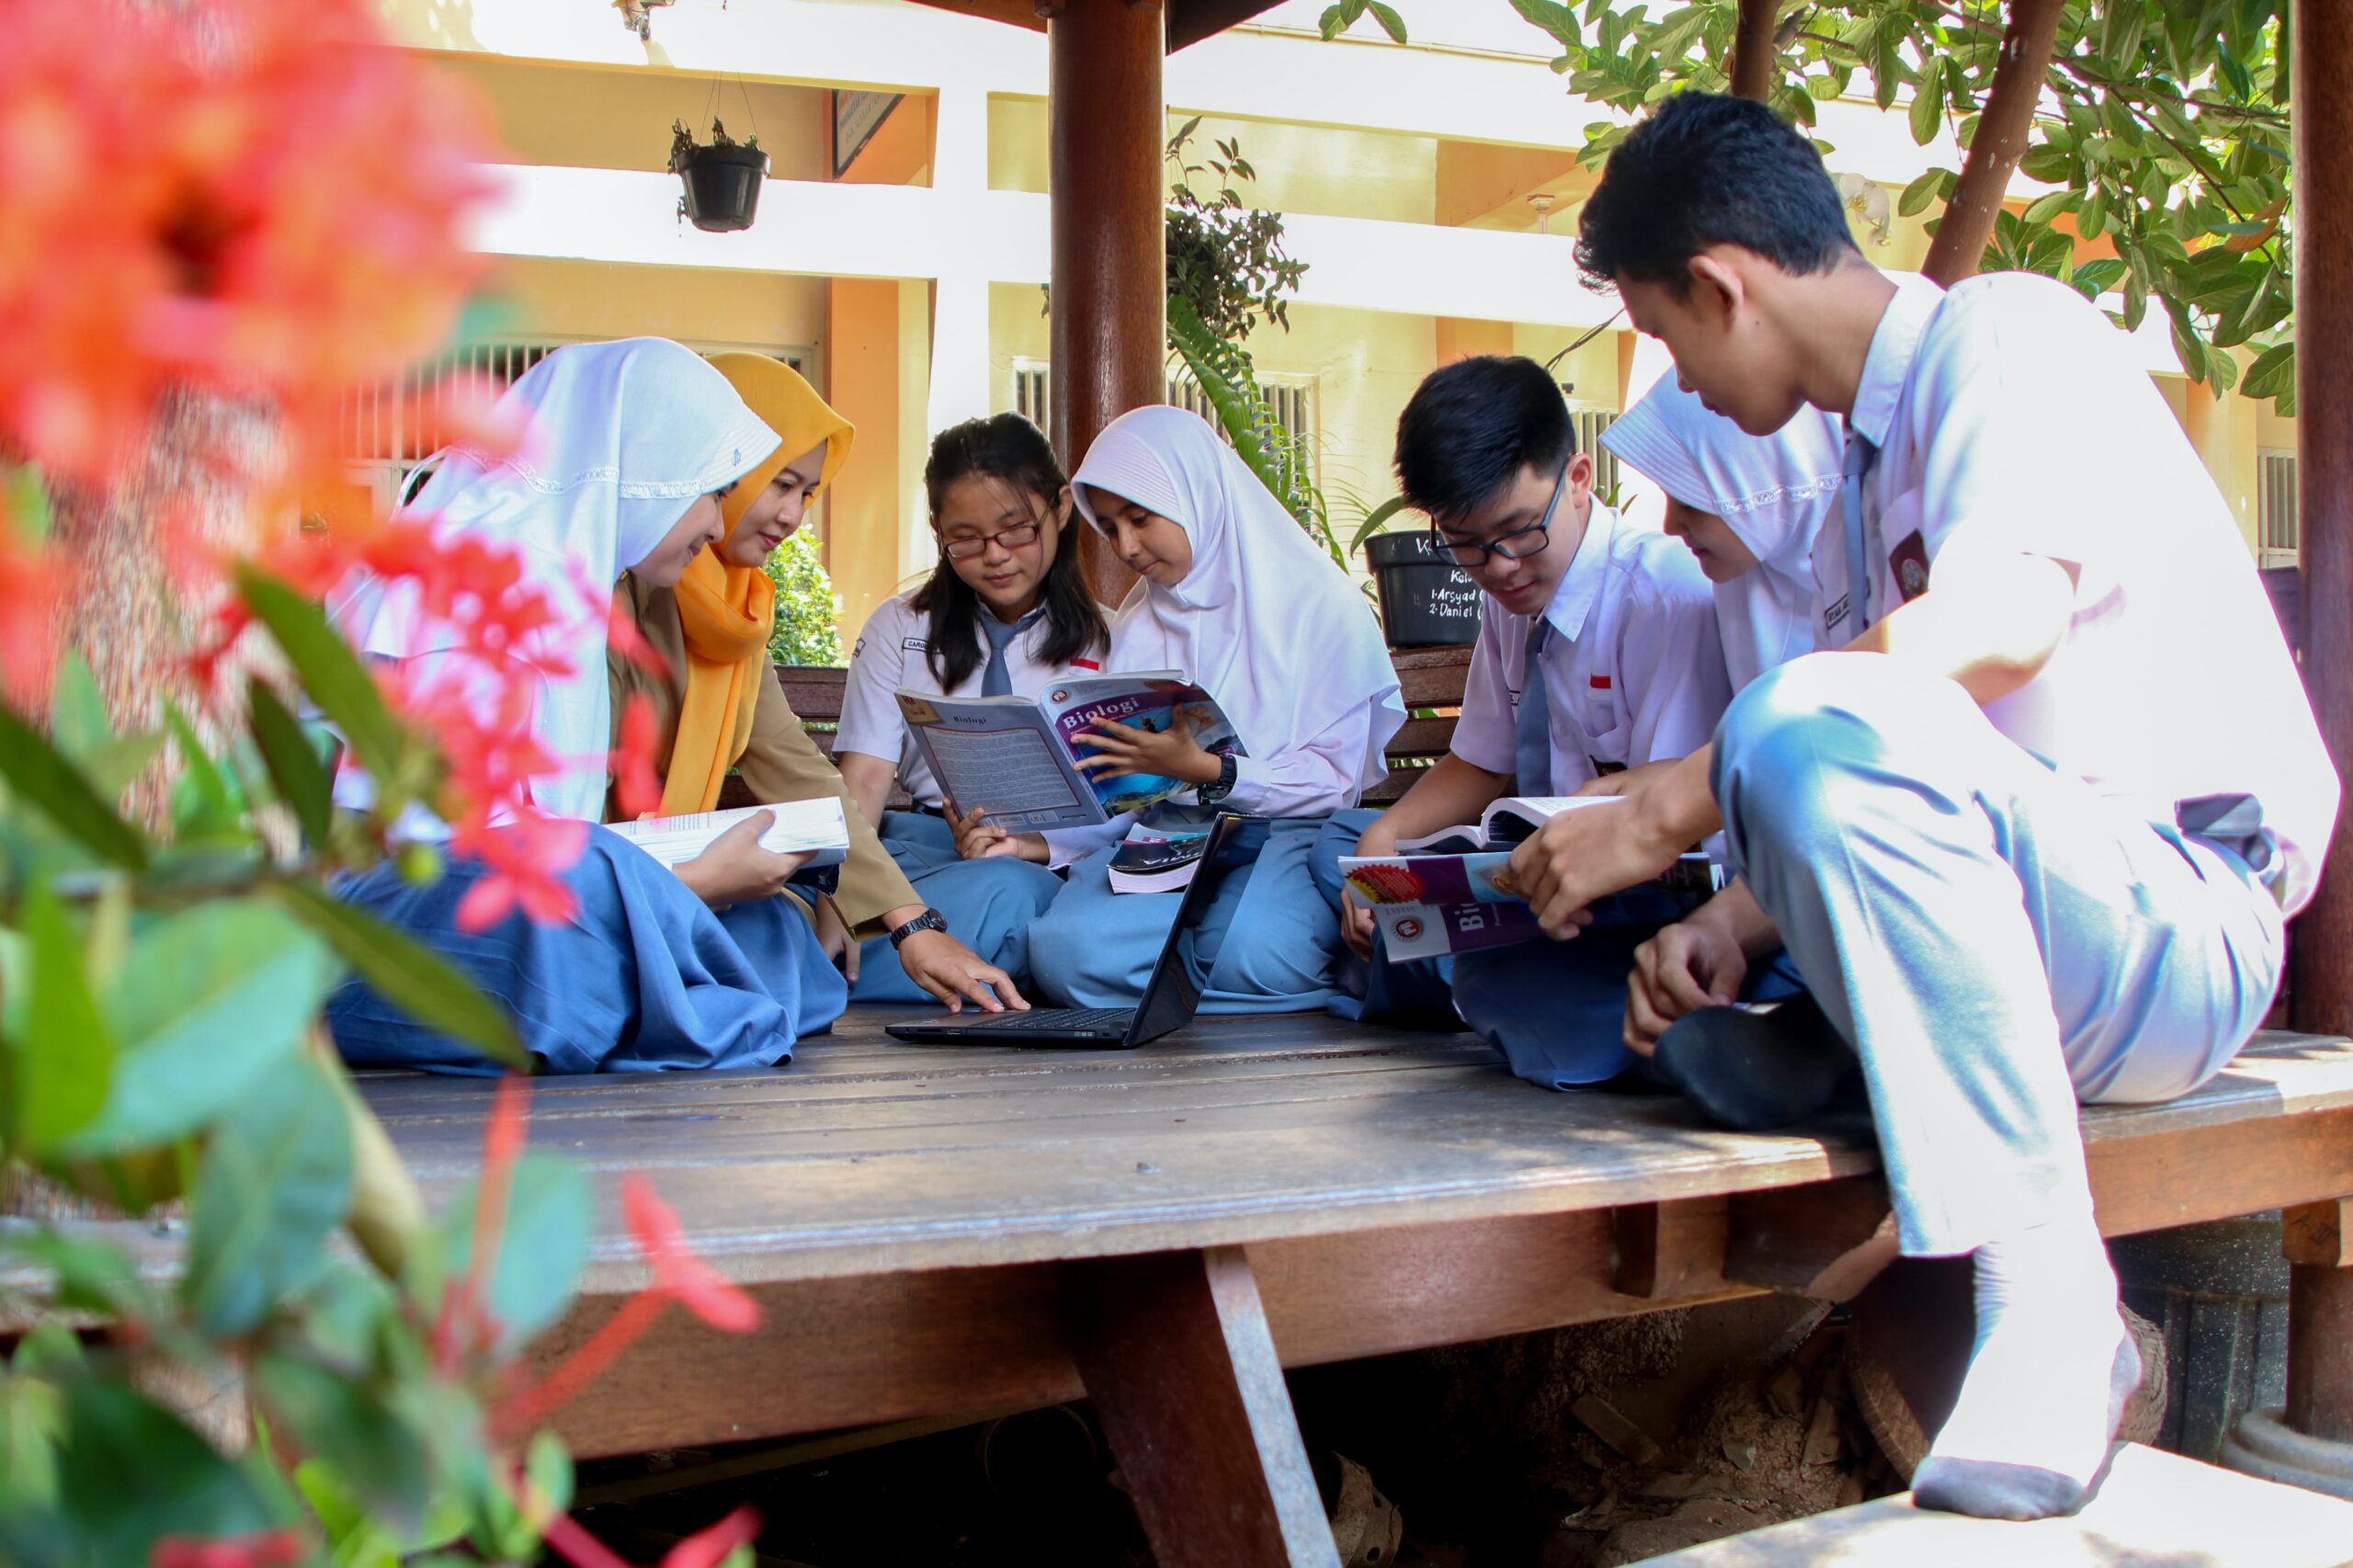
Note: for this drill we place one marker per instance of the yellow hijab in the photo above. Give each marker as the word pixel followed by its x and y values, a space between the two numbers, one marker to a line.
pixel 728 612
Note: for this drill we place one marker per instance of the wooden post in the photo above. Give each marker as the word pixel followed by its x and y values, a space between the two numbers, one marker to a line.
pixel 1107 127
pixel 1967 225
pixel 1752 50
pixel 2322 996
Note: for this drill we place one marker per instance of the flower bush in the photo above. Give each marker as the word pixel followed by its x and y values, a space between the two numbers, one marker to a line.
pixel 251 200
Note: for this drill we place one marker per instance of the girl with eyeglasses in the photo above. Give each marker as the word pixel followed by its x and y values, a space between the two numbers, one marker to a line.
pixel 1006 612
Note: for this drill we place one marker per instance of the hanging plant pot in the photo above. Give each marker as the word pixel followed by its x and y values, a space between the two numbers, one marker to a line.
pixel 723 180
pixel 1427 601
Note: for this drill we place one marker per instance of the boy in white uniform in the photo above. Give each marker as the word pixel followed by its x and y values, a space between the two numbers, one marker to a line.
pixel 2032 834
pixel 1619 626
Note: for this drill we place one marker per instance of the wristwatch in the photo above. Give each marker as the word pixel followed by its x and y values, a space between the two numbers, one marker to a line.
pixel 929 920
pixel 1210 794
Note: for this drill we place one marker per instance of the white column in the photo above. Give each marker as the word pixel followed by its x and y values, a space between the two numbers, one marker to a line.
pixel 960 328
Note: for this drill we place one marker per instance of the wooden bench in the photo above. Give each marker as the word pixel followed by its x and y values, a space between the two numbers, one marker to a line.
pixel 938 1233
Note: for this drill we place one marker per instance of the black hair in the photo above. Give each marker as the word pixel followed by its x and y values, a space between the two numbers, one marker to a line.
pixel 1008 447
pixel 1708 170
pixel 1470 427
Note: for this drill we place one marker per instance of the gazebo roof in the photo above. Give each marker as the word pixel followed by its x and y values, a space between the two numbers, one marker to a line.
pixel 1190 21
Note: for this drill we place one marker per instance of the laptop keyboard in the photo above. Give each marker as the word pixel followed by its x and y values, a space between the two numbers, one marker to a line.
pixel 1113 1018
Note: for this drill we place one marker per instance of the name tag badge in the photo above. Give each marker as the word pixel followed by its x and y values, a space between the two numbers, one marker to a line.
pixel 1834 614
pixel 915 645
pixel 1908 562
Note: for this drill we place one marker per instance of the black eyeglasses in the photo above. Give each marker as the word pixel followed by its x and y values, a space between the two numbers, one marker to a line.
pixel 1516 545
pixel 967 547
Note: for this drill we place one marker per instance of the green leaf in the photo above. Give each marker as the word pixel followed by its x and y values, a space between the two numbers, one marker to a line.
pixel 34 770
pixel 1331 22
pixel 1919 194
pixel 276 1180
pixel 78 713
pixel 2273 372
pixel 294 767
pixel 59 1071
pixel 352 1426
pixel 1556 19
pixel 211 1000
pixel 131 1473
pixel 541 1246
pixel 24 503
pixel 330 671
pixel 2045 208
pixel 2120 36
pixel 2242 84
pixel 404 972
pixel 204 801
pixel 1391 22
pixel 32 1419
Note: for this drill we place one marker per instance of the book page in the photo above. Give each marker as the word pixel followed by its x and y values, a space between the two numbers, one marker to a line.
pixel 815 828
pixel 1013 773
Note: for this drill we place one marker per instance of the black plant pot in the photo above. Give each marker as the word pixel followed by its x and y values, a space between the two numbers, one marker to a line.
pixel 723 186
pixel 1427 601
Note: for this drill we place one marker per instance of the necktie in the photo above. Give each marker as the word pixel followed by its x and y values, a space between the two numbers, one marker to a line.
pixel 997 679
pixel 1532 726
pixel 1859 456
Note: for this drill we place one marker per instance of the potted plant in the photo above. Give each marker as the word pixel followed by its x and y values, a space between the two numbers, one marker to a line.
pixel 723 179
pixel 1427 601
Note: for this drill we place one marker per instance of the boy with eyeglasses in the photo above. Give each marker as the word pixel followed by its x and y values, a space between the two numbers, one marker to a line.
pixel 1597 658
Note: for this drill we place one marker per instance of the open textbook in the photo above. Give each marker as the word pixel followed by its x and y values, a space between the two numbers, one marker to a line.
pixel 815 828
pixel 1018 757
pixel 1453 891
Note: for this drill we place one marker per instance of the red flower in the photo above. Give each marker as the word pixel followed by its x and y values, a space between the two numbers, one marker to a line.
pixel 269 1549
pixel 678 1272
pixel 522 861
pixel 285 198
pixel 637 787
pixel 32 583
pixel 623 635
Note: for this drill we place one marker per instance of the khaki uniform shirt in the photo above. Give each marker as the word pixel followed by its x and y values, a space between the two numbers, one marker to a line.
pixel 780 763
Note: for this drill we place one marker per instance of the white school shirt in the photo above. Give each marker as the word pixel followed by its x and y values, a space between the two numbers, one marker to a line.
pixel 1634 668
pixel 2009 417
pixel 894 651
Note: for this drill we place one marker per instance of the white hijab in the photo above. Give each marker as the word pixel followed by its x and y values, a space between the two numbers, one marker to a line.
pixel 1263 622
pixel 621 440
pixel 1775 492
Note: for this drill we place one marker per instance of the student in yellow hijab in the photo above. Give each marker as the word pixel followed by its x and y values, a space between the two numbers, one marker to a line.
pixel 720 706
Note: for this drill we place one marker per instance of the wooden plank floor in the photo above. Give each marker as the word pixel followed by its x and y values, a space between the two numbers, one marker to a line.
pixel 865 1155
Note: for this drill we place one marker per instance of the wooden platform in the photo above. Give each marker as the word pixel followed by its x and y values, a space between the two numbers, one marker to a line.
pixel 942 1231
pixel 2153 1510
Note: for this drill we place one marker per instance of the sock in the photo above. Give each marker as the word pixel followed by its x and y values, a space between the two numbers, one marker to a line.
pixel 2046 1385
pixel 1752 1069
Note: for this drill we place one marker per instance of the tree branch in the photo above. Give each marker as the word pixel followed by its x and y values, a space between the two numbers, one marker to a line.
pixel 2003 128
pixel 1754 56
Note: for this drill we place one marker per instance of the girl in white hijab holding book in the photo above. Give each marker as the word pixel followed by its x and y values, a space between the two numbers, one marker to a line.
pixel 1233 594
pixel 630 447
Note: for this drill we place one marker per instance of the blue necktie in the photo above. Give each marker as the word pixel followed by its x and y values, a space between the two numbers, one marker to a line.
pixel 1859 456
pixel 1532 726
pixel 997 679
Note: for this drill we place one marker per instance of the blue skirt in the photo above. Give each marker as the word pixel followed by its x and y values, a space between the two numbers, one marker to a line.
pixel 988 905
pixel 645 977
pixel 1272 940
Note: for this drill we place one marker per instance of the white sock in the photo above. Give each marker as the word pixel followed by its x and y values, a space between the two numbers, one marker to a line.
pixel 2041 1388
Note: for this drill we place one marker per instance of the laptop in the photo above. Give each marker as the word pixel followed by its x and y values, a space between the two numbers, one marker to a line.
pixel 1169 997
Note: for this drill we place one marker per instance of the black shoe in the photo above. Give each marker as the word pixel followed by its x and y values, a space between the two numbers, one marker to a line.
pixel 1753 1069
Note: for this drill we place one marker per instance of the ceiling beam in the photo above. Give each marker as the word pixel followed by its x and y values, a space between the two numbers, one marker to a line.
pixel 1190 21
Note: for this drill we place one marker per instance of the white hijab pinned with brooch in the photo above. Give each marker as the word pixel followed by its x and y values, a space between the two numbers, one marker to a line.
pixel 1263 622
pixel 1774 492
pixel 620 439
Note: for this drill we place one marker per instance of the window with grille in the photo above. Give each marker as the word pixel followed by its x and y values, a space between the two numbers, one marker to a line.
pixel 2278 540
pixel 1291 397
pixel 386 429
pixel 1589 424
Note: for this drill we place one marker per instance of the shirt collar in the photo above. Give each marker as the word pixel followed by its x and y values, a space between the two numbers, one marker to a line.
pixel 1581 584
pixel 1888 366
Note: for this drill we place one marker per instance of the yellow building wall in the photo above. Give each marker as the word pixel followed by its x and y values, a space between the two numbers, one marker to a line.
pixel 585 117
pixel 598 300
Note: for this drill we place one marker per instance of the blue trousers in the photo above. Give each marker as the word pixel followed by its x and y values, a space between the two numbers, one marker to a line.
pixel 1271 942
pixel 988 905
pixel 645 977
pixel 1997 942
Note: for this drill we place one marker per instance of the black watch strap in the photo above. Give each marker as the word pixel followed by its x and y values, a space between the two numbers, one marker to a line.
pixel 929 920
pixel 1228 769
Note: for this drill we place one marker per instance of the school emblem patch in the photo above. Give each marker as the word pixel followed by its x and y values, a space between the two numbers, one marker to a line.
pixel 1909 562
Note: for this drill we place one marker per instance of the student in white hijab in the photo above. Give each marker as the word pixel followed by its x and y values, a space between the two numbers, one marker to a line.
pixel 1232 593
pixel 1748 507
pixel 630 446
